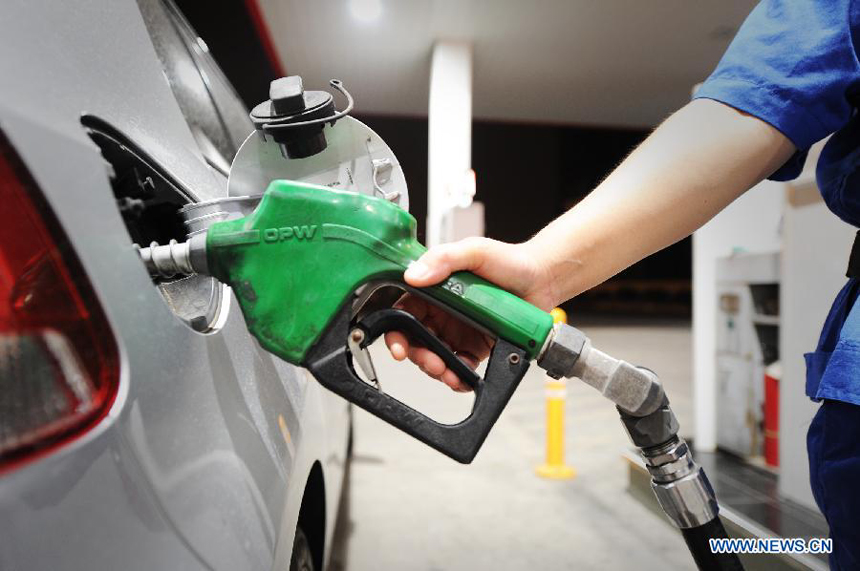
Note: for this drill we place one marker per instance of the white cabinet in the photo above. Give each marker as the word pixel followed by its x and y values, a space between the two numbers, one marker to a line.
pixel 739 358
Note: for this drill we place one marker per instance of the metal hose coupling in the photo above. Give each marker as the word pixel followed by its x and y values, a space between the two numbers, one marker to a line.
pixel 569 353
pixel 681 486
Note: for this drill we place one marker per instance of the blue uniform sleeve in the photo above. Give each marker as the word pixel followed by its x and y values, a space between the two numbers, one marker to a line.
pixel 792 64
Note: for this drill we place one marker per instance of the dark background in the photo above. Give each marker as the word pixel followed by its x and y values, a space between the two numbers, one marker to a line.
pixel 526 174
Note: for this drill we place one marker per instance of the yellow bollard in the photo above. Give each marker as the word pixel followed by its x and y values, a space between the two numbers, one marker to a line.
pixel 554 467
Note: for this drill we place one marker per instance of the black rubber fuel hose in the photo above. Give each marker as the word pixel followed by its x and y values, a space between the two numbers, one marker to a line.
pixel 700 548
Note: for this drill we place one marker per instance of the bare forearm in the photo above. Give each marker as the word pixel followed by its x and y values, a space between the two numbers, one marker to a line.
pixel 696 163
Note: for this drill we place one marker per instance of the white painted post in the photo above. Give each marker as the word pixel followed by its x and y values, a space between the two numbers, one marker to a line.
pixel 816 251
pixel 450 136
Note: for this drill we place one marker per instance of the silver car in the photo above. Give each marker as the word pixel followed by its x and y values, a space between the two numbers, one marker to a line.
pixel 141 426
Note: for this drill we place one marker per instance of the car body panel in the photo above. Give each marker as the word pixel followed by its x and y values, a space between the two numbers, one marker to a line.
pixel 203 459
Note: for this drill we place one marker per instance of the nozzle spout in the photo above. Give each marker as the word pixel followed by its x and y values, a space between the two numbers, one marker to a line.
pixel 176 258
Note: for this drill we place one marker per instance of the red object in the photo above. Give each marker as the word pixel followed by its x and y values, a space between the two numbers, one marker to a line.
pixel 771 418
pixel 59 369
pixel 265 37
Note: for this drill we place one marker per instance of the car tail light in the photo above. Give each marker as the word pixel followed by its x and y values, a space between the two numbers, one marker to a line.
pixel 58 358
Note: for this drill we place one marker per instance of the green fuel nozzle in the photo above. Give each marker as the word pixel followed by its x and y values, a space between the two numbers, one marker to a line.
pixel 303 260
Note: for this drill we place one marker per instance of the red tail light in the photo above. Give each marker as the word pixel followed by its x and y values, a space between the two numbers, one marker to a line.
pixel 58 358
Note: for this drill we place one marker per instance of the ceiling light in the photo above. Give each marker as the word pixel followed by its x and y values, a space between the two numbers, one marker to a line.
pixel 365 10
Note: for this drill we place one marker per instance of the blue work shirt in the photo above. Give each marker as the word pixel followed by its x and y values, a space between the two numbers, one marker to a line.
pixel 794 64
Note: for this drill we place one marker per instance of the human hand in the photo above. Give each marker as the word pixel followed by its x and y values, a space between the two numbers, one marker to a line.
pixel 514 267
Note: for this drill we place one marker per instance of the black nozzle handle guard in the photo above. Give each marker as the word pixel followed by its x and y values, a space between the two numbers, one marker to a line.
pixel 385 320
pixel 330 362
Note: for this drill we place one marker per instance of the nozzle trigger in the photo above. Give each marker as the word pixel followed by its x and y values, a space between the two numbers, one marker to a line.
pixel 361 355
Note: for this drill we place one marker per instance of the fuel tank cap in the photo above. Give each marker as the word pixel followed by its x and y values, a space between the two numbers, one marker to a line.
pixel 294 118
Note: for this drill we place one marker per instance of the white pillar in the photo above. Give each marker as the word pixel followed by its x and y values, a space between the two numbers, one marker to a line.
pixel 817 245
pixel 450 136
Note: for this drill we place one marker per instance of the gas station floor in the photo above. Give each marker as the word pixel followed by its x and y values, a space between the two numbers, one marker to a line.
pixel 408 507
